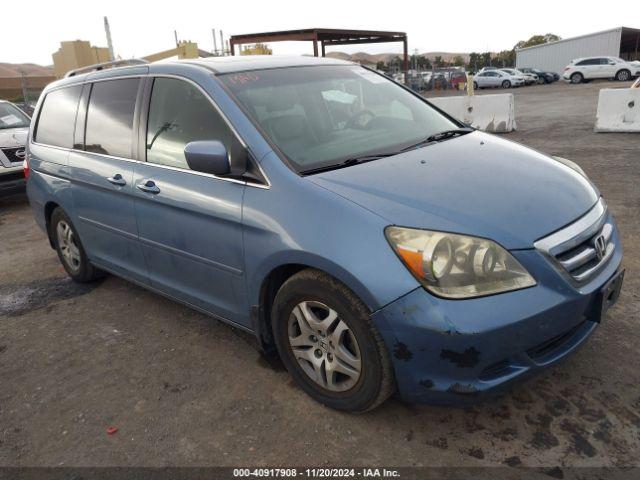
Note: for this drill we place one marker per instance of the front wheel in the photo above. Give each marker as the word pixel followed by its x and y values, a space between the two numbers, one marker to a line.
pixel 329 345
pixel 506 84
pixel 623 75
pixel 475 86
pixel 577 78
pixel 70 251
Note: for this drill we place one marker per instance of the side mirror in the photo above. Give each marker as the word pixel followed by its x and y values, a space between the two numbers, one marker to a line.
pixel 208 156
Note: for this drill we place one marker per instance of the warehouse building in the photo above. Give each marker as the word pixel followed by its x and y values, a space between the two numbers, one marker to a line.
pixel 620 42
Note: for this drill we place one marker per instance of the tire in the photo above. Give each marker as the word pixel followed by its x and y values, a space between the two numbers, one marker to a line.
pixel 623 76
pixel 331 333
pixel 541 81
pixel 69 248
pixel 576 78
pixel 506 84
pixel 475 86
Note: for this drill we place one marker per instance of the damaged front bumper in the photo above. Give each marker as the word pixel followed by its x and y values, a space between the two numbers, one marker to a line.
pixel 457 351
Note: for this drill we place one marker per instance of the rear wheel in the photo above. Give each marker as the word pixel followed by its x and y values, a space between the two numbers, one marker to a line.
pixel 70 251
pixel 623 75
pixel 475 86
pixel 576 78
pixel 506 84
pixel 329 345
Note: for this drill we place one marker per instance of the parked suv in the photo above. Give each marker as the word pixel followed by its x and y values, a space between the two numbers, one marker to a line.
pixel 371 241
pixel 14 128
pixel 590 68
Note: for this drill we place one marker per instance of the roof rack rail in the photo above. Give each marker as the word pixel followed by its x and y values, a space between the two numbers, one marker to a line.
pixel 102 66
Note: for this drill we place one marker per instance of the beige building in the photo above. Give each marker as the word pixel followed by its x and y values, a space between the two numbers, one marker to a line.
pixel 76 54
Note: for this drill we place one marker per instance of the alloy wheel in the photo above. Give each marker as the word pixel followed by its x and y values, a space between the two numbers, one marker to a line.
pixel 623 76
pixel 68 247
pixel 324 346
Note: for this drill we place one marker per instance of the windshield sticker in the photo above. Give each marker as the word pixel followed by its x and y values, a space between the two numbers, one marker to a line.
pixel 338 96
pixel 369 75
pixel 10 119
pixel 244 78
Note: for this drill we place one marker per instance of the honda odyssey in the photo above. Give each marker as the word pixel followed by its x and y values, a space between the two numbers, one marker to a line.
pixel 370 240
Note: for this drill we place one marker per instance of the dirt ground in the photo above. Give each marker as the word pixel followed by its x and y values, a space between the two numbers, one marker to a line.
pixel 184 389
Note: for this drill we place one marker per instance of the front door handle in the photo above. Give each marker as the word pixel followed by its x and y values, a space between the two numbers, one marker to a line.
pixel 148 186
pixel 117 180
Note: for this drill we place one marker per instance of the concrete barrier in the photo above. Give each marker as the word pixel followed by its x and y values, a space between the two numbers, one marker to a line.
pixel 491 113
pixel 618 110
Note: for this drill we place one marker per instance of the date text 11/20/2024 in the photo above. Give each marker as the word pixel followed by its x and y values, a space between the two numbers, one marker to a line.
pixel 316 472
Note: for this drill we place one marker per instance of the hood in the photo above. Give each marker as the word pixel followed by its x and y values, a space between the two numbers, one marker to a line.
pixel 13 137
pixel 476 184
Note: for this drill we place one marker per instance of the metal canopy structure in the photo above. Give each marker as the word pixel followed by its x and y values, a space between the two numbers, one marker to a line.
pixel 326 37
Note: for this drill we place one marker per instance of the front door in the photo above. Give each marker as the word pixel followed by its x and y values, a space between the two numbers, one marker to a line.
pixel 102 177
pixel 189 222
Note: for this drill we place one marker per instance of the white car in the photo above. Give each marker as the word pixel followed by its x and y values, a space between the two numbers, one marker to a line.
pixel 590 68
pixel 14 129
pixel 496 78
pixel 529 78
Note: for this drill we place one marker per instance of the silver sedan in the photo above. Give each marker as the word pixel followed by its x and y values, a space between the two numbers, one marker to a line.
pixel 497 78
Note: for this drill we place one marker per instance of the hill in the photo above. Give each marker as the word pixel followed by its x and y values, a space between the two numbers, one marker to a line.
pixel 30 69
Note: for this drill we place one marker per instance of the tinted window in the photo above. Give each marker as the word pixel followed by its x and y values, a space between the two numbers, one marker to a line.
pixel 57 117
pixel 110 117
pixel 178 114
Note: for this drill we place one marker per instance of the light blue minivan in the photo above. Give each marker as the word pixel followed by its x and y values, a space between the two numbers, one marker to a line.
pixel 367 238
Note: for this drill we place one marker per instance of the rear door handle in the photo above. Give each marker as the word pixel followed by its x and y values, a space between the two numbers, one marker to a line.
pixel 148 186
pixel 117 180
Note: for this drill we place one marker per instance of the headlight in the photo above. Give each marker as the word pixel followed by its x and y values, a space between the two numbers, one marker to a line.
pixel 457 266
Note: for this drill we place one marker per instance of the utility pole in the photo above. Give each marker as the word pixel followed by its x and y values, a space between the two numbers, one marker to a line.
pixel 175 34
pixel 215 44
pixel 107 30
pixel 25 93
pixel 221 43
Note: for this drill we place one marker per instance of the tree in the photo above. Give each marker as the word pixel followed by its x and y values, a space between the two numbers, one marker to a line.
pixel 537 40
pixel 381 66
pixel 506 58
pixel 475 62
pixel 438 61
pixel 458 61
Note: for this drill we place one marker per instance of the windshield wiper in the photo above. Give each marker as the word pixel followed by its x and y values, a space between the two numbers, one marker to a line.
pixel 438 137
pixel 348 162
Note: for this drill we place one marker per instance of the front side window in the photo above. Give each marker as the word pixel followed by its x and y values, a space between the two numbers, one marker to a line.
pixel 57 117
pixel 178 114
pixel 323 115
pixel 110 117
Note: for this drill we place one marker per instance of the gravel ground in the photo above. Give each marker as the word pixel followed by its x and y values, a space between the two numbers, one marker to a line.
pixel 183 389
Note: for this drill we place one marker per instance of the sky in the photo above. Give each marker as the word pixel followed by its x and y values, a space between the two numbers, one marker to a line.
pixel 140 28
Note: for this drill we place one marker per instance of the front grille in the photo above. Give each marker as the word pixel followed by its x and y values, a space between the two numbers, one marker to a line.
pixel 584 247
pixel 13 154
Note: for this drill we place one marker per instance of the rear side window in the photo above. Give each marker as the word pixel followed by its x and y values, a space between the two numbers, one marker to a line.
pixel 57 117
pixel 178 114
pixel 110 117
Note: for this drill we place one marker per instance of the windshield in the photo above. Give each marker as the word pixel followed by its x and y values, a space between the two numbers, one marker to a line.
pixel 323 115
pixel 12 117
